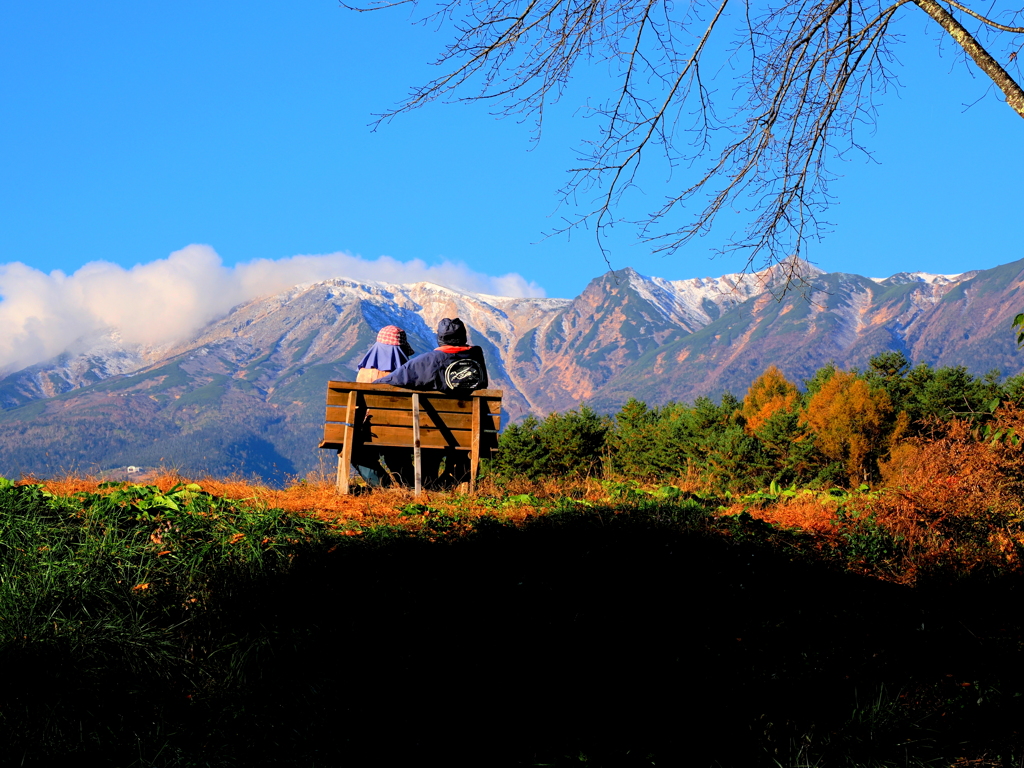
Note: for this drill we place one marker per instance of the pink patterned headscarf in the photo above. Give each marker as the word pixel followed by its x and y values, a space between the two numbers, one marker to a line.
pixel 395 336
pixel 391 334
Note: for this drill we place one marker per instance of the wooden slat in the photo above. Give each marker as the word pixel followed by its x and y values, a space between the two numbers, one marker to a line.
pixel 374 387
pixel 486 451
pixel 440 403
pixel 394 418
pixel 334 435
pixel 337 413
pixel 377 414
pixel 345 454
pixel 404 401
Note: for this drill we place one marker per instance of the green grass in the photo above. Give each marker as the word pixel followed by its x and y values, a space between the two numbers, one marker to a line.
pixel 252 370
pixel 303 347
pixel 24 412
pixel 125 599
pixel 175 376
pixel 524 347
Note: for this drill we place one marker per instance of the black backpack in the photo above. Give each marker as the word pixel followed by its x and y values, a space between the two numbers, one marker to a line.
pixel 461 375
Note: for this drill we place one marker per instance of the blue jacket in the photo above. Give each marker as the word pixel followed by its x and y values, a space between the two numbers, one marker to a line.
pixel 426 371
pixel 384 357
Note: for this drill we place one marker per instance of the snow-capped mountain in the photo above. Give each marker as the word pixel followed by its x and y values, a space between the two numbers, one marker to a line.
pixel 247 390
pixel 902 278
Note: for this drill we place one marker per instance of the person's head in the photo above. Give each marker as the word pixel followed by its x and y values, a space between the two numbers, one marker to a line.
pixel 395 336
pixel 451 332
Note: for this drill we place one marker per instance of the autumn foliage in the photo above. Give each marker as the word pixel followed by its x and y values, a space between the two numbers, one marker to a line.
pixel 850 423
pixel 770 393
pixel 834 430
pixel 905 472
pixel 296 606
pixel 954 499
pixel 878 465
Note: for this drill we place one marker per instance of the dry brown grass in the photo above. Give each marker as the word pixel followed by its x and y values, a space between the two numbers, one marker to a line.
pixel 951 500
pixel 806 512
pixel 316 495
pixel 955 499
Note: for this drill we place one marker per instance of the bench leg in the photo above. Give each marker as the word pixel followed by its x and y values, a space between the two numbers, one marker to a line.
pixel 345 454
pixel 474 449
pixel 341 481
pixel 417 459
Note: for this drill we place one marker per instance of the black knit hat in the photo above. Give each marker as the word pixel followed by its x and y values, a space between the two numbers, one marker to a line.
pixel 451 332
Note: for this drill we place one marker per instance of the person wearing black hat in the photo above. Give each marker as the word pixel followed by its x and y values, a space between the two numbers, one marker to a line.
pixel 453 367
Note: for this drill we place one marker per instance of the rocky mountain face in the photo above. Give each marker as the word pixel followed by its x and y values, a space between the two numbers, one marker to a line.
pixel 246 392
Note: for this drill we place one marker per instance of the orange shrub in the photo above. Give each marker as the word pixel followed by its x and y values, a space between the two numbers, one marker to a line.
pixel 806 512
pixel 955 500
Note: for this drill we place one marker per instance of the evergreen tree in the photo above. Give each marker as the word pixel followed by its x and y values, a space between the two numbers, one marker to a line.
pixel 520 451
pixel 574 442
pixel 632 441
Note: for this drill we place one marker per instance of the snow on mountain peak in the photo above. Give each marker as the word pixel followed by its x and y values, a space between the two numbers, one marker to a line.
pixel 697 301
pixel 902 278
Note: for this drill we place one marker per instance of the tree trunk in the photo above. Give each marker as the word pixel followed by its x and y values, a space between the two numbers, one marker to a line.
pixel 1014 93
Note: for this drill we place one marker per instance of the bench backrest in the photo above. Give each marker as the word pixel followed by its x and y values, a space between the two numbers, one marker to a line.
pixel 380 414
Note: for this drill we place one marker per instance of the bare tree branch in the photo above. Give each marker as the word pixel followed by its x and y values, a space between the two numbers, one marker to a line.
pixel 984 19
pixel 809 74
pixel 1014 93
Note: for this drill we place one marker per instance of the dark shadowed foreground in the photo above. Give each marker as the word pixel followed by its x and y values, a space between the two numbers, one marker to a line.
pixel 653 634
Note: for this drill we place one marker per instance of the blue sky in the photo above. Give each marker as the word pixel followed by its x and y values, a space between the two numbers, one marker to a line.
pixel 130 130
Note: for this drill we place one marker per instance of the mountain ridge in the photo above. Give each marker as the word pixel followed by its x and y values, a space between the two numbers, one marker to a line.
pixel 245 393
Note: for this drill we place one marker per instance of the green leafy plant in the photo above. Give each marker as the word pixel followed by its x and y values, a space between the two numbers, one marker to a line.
pixel 413 510
pixel 866 539
pixel 521 499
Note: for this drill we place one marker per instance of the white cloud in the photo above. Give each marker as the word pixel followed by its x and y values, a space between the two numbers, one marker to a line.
pixel 167 300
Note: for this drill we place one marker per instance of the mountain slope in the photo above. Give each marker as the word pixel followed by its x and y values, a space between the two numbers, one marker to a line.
pixel 246 392
pixel 845 319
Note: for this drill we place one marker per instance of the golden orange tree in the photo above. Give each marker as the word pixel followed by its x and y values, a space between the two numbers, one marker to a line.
pixel 770 393
pixel 852 422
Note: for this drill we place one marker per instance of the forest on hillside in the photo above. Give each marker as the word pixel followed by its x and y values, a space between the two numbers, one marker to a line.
pixel 842 428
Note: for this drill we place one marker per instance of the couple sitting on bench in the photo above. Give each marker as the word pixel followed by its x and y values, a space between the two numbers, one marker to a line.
pixel 451 368
pixel 454 367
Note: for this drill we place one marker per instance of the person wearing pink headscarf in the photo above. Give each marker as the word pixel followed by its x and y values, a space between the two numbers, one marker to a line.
pixel 376 464
pixel 389 352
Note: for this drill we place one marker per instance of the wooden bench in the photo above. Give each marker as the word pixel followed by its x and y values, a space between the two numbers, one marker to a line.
pixel 361 415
